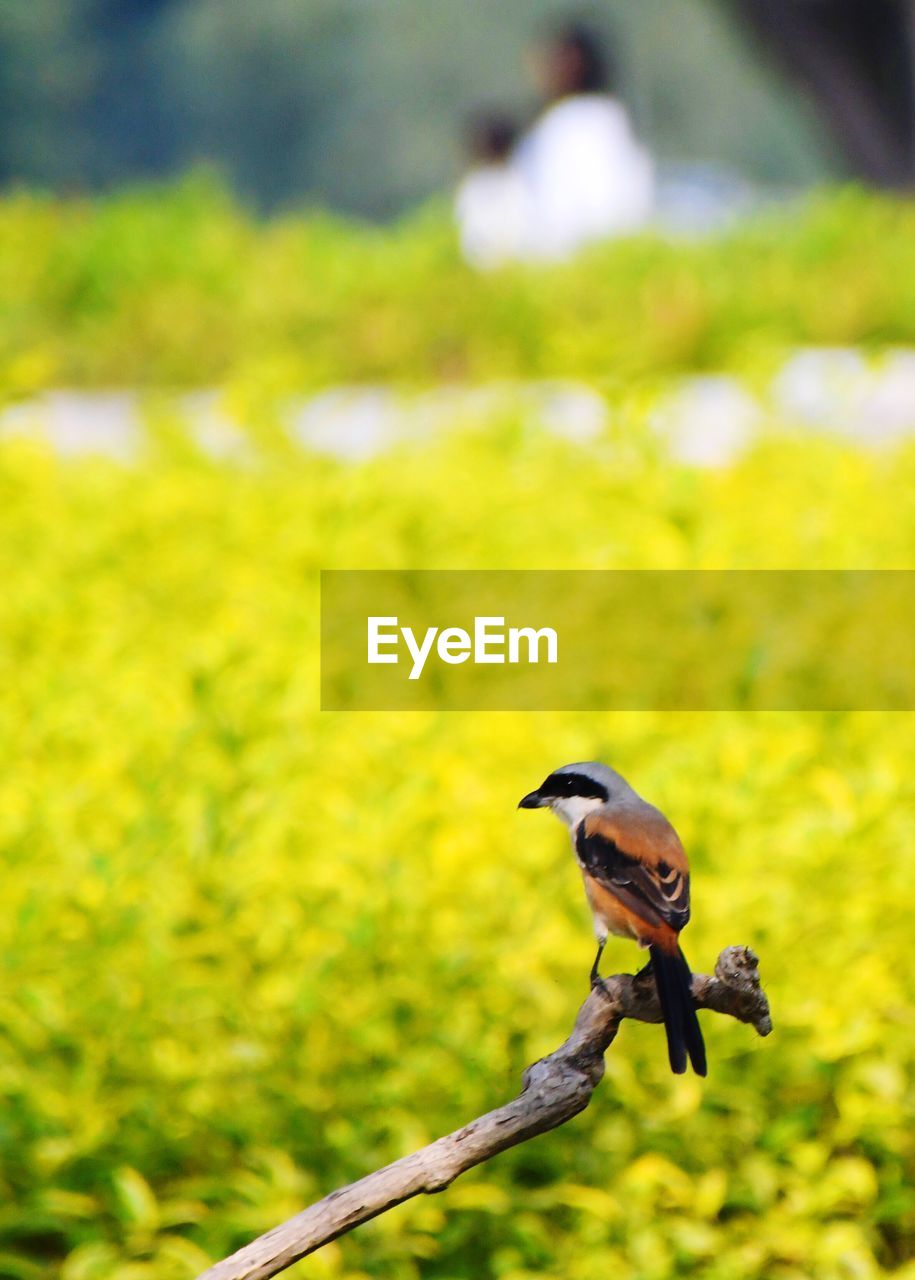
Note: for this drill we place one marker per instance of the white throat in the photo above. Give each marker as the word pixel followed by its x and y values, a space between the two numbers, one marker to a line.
pixel 571 809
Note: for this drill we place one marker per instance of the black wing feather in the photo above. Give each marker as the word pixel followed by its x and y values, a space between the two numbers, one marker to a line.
pixel 660 895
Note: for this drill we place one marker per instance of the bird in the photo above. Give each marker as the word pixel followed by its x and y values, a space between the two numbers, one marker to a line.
pixel 636 878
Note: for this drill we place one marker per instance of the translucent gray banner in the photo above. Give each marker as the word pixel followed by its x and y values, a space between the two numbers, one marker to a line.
pixel 617 640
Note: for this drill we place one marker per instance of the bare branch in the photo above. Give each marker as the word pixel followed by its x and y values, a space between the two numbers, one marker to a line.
pixel 554 1090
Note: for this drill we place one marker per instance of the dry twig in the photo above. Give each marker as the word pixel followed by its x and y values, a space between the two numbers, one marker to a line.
pixel 554 1090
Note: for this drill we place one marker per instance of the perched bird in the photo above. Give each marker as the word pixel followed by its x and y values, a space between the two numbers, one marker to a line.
pixel 637 883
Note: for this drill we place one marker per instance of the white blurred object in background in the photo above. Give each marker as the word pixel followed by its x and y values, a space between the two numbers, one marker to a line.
pixel 588 175
pixel 493 212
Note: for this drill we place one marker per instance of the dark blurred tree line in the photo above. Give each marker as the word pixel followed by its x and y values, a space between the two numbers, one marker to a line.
pixel 855 59
pixel 359 103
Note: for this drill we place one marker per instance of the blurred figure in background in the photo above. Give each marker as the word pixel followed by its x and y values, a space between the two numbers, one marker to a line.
pixel 492 205
pixel 588 176
pixel 577 176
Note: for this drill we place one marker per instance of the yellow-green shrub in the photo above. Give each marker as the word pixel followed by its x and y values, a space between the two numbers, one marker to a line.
pixel 251 950
pixel 181 287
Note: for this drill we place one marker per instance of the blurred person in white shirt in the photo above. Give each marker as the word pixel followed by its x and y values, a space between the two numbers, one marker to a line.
pixel 492 205
pixel 587 175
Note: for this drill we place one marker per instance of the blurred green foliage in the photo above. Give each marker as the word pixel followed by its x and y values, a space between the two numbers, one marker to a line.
pixel 251 951
pixel 180 287
pixel 362 106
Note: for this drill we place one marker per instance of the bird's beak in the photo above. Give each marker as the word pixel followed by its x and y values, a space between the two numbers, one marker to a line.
pixel 534 800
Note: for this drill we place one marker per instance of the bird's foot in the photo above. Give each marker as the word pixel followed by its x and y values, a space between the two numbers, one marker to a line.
pixel 595 976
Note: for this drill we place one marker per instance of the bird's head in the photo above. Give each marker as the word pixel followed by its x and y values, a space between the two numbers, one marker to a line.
pixel 575 789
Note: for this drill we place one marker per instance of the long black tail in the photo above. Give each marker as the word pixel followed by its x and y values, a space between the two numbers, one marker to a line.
pixel 672 975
